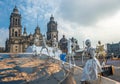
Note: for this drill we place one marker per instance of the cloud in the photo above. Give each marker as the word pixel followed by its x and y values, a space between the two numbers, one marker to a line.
pixel 4 35
pixel 106 30
pixel 87 12
pixel 39 10
pixel 31 12
pixel 82 19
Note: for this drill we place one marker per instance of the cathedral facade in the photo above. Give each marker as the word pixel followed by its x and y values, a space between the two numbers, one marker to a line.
pixel 18 41
pixel 52 31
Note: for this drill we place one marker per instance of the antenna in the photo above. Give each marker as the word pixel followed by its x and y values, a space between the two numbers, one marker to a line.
pixel 37 19
pixel 15 4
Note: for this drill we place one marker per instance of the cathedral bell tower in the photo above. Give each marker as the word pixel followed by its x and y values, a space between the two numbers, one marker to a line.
pixel 15 24
pixel 24 33
pixel 37 36
pixel 52 31
pixel 15 31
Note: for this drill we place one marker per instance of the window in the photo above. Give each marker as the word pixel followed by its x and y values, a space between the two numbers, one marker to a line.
pixel 12 34
pixel 16 50
pixel 15 21
pixel 18 21
pixel 12 30
pixel 16 34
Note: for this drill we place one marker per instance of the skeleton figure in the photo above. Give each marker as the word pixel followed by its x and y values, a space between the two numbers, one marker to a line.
pixel 101 54
pixel 55 45
pixel 34 47
pixel 92 66
pixel 44 46
pixel 54 42
pixel 73 45
pixel 70 53
pixel 34 50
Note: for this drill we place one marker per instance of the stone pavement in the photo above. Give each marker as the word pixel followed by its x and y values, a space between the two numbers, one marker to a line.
pixel 34 70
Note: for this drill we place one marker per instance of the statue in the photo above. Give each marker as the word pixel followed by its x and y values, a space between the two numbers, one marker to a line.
pixel 70 53
pixel 34 50
pixel 92 66
pixel 101 54
pixel 44 46
pixel 55 45
pixel 36 40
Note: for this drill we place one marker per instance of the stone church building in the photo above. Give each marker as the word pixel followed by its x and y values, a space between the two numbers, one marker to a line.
pixel 18 41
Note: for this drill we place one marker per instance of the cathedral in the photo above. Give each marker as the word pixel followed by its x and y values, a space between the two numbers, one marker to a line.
pixel 18 41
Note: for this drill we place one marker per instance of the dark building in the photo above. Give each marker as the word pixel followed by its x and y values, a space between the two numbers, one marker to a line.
pixel 63 44
pixel 18 42
pixel 113 49
pixel 52 30
pixel 75 43
pixel 2 49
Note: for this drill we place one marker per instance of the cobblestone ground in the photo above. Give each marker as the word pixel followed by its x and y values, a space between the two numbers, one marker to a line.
pixel 23 69
pixel 34 70
pixel 115 63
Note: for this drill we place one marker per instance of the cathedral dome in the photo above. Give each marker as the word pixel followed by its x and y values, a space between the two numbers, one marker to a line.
pixel 15 10
pixel 51 18
pixel 24 33
pixel 37 30
pixel 63 40
pixel 38 27
pixel 30 34
pixel 52 25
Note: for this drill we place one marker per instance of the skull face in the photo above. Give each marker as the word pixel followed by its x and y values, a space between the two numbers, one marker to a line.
pixel 88 43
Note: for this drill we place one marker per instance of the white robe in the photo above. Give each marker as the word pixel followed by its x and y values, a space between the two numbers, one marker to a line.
pixel 91 68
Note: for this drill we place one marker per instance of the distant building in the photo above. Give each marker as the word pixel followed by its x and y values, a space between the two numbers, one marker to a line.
pixel 63 44
pixel 113 49
pixel 74 40
pixel 2 49
pixel 18 42
pixel 52 31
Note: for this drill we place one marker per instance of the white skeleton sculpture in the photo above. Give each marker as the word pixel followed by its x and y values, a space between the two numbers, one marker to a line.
pixel 34 47
pixel 92 66
pixel 44 46
pixel 55 45
pixel 70 53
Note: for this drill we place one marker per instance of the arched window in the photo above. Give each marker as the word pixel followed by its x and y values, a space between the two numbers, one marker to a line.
pixel 19 32
pixel 12 30
pixel 15 21
pixel 16 34
pixel 12 34
pixel 18 22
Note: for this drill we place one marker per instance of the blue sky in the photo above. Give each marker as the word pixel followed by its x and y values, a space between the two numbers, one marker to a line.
pixel 82 19
pixel 29 13
pixel 32 12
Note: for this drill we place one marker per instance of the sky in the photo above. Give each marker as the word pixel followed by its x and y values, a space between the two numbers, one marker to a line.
pixel 83 19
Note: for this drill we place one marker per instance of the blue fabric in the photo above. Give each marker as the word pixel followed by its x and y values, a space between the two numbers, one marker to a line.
pixel 63 57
